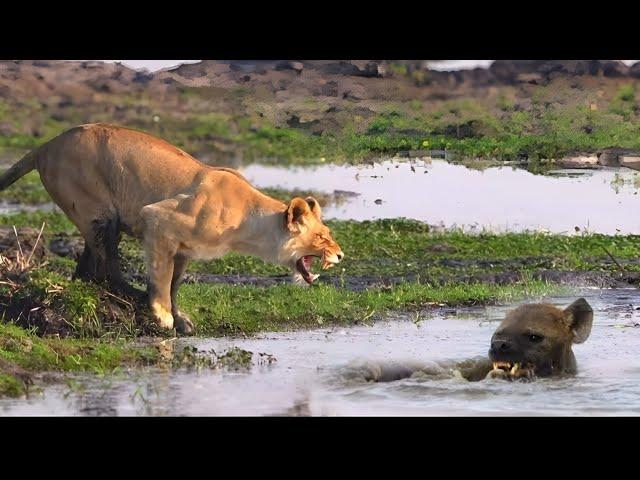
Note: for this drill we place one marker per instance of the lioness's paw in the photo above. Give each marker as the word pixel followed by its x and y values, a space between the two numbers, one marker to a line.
pixel 163 316
pixel 183 324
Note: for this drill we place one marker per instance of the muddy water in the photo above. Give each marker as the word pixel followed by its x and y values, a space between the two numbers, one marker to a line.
pixel 498 198
pixel 319 372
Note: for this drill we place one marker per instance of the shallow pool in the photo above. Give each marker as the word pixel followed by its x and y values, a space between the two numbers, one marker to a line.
pixel 497 198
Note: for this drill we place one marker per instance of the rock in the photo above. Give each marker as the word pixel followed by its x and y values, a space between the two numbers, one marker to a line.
pixel 67 246
pixel 355 68
pixel 533 78
pixel 355 92
pixel 611 157
pixel 294 122
pixel 441 248
pixel 142 77
pixel 422 153
pixel 630 161
pixel 590 161
pixel 516 71
pixel 608 159
pixel 290 65
pixel 634 70
pixel 6 129
pixel 614 68
pixel 373 69
pixel 345 194
pixel 329 89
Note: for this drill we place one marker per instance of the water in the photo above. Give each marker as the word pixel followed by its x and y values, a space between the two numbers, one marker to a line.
pixel 453 196
pixel 497 199
pixel 317 373
pixel 7 208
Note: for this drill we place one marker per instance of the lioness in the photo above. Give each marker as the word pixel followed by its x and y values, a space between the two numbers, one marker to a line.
pixel 109 179
pixel 534 340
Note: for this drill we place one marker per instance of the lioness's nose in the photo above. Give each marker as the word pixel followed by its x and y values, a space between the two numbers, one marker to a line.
pixel 501 346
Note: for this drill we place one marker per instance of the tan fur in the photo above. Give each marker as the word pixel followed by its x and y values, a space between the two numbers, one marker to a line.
pixel 109 179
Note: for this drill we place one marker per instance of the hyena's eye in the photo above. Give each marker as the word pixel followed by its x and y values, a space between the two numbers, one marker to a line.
pixel 534 338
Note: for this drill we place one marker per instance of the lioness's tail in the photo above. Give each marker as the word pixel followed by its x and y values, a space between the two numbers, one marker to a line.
pixel 19 170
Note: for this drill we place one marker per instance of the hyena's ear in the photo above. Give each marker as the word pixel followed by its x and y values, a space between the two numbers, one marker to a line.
pixel 315 207
pixel 579 317
pixel 295 214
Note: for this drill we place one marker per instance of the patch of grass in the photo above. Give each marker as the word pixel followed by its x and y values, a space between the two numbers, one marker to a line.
pixel 19 141
pixel 222 309
pixel 22 353
pixel 29 351
pixel 55 221
pixel 626 93
pixel 276 143
pixel 10 386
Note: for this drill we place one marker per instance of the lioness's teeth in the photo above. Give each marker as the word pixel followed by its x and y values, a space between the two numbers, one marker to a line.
pixel 515 368
pixel 495 365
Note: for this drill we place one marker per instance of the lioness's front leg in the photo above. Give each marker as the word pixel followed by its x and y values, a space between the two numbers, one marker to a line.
pixel 160 273
pixel 164 227
pixel 183 323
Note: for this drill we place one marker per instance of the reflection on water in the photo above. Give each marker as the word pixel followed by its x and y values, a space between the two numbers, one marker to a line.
pixel 308 377
pixel 497 198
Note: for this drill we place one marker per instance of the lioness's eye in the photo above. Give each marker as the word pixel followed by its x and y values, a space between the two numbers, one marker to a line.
pixel 534 338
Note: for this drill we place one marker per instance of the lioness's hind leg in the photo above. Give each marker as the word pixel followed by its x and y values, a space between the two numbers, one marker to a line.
pixel 183 323
pixel 108 235
pixel 90 267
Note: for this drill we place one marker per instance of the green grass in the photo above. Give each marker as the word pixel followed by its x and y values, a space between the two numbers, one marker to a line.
pixel 23 351
pixel 29 351
pixel 221 309
pixel 55 221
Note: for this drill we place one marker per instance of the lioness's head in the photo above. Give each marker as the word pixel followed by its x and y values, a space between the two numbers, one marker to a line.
pixel 307 238
pixel 536 339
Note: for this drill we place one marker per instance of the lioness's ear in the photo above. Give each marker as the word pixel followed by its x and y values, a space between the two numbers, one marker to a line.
pixel 579 317
pixel 296 211
pixel 315 207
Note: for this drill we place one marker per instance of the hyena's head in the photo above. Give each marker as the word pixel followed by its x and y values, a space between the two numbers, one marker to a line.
pixel 536 339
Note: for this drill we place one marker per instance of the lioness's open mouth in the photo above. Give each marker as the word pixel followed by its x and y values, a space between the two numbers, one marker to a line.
pixel 303 266
pixel 514 369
